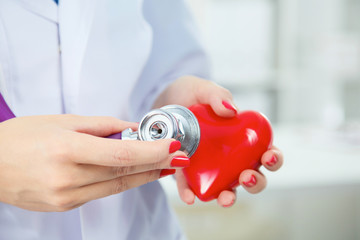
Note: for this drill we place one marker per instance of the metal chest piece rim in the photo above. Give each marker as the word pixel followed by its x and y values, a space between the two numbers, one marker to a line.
pixel 189 128
pixel 171 121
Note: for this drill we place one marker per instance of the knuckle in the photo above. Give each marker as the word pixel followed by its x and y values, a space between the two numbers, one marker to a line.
pixel 121 171
pixel 120 185
pixel 160 164
pixel 64 209
pixel 62 202
pixel 123 156
pixel 60 181
pixel 153 175
pixel 59 150
pixel 59 184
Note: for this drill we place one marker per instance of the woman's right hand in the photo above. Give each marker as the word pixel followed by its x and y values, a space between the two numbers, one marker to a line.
pixel 59 162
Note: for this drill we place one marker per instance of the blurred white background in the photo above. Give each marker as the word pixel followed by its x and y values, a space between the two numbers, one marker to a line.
pixel 297 61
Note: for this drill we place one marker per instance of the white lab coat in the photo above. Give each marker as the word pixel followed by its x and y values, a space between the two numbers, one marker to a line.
pixel 95 57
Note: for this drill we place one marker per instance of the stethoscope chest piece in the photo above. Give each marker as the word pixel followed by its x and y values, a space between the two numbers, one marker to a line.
pixel 171 121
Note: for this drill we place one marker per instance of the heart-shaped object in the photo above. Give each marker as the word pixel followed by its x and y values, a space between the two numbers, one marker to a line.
pixel 227 147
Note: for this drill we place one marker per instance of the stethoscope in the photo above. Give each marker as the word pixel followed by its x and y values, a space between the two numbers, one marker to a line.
pixel 171 121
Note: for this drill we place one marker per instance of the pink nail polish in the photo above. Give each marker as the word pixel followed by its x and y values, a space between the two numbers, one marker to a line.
pixel 272 161
pixel 230 204
pixel 174 146
pixel 180 162
pixel 251 182
pixel 166 172
pixel 229 106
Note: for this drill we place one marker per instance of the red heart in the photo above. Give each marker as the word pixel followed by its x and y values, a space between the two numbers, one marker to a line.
pixel 227 147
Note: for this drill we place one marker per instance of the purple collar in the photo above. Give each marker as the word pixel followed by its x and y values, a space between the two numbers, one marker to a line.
pixel 5 111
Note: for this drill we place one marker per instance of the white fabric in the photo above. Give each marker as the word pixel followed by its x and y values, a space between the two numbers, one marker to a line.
pixel 116 57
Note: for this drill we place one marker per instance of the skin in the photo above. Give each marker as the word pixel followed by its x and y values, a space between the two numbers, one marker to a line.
pixel 59 162
pixel 190 90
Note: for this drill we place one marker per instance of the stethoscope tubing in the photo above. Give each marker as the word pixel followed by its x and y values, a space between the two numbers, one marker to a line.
pixel 5 111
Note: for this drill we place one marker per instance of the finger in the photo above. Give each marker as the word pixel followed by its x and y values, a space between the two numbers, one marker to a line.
pixel 88 149
pixel 219 98
pixel 252 181
pixel 101 126
pixel 94 125
pixel 223 107
pixel 85 174
pixel 272 159
pixel 227 198
pixel 45 207
pixel 115 186
pixel 185 192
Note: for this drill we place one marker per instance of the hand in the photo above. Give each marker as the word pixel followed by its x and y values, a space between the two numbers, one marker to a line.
pixel 59 162
pixel 190 90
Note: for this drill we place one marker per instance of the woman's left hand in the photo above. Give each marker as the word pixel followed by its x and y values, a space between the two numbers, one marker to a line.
pixel 189 90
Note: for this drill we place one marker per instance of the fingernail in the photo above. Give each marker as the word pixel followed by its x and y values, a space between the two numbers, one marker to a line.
pixel 229 106
pixel 251 182
pixel 180 162
pixel 229 201
pixel 167 172
pixel 230 204
pixel 174 146
pixel 272 161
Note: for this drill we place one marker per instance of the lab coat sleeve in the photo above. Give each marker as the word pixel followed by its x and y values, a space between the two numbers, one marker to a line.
pixel 176 51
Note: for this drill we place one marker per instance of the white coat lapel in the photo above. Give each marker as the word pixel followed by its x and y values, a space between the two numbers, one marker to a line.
pixel 2 84
pixel 75 20
pixel 45 8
